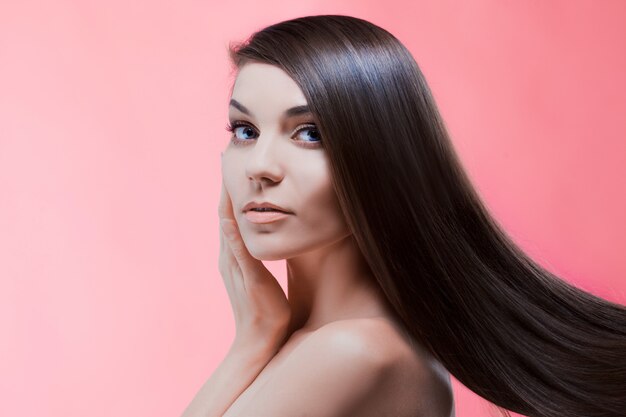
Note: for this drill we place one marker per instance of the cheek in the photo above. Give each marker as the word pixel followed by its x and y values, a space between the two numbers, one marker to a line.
pixel 320 214
pixel 227 165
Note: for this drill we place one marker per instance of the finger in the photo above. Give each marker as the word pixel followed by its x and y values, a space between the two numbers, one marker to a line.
pixel 231 274
pixel 221 208
pixel 232 271
pixel 225 208
pixel 248 264
pixel 229 203
pixel 226 260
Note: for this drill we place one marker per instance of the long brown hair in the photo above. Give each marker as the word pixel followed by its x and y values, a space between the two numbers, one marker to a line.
pixel 509 330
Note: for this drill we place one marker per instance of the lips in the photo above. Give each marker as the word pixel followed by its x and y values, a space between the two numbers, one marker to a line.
pixel 265 216
pixel 264 204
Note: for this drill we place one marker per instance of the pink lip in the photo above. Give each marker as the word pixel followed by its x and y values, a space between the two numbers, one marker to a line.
pixel 265 216
pixel 254 204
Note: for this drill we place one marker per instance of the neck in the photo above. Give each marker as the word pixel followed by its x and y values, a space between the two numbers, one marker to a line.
pixel 332 283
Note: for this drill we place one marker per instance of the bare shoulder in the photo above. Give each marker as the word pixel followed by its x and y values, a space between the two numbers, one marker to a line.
pixel 355 367
pixel 413 382
pixel 333 372
pixel 369 340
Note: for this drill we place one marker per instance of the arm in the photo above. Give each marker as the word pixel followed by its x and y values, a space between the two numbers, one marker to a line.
pixel 236 372
pixel 262 316
pixel 334 372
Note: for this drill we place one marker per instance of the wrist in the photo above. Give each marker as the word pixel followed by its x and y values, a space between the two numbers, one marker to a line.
pixel 256 347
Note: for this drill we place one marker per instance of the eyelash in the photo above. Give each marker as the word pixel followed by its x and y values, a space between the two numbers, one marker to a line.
pixel 239 142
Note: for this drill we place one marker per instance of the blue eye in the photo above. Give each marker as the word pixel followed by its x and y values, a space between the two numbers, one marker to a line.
pixel 236 125
pixel 246 129
pixel 312 128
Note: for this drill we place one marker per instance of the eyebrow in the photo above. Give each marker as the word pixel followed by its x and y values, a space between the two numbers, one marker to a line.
pixel 294 111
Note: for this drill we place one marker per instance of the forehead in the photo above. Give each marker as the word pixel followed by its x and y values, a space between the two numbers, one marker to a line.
pixel 262 87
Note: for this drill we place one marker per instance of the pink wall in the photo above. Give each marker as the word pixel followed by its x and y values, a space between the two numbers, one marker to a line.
pixel 111 122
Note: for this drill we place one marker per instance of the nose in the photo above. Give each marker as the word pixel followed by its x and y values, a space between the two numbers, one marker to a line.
pixel 263 164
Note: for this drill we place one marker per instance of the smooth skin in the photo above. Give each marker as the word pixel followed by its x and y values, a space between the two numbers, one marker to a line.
pixel 332 347
pixel 261 310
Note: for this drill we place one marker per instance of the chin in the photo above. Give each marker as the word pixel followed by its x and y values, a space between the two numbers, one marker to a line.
pixel 266 255
pixel 265 252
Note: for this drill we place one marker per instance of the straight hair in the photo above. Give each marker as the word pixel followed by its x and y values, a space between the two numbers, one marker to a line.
pixel 506 328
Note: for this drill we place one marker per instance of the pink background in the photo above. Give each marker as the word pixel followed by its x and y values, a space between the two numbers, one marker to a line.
pixel 112 117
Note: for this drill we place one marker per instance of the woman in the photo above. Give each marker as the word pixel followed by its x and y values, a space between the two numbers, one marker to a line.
pixel 397 274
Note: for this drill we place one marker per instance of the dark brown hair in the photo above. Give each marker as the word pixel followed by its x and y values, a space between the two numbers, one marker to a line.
pixel 509 330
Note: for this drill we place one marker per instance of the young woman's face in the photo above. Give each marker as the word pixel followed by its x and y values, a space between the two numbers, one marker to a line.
pixel 278 158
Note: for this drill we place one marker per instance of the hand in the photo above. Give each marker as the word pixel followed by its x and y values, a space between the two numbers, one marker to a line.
pixel 261 309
